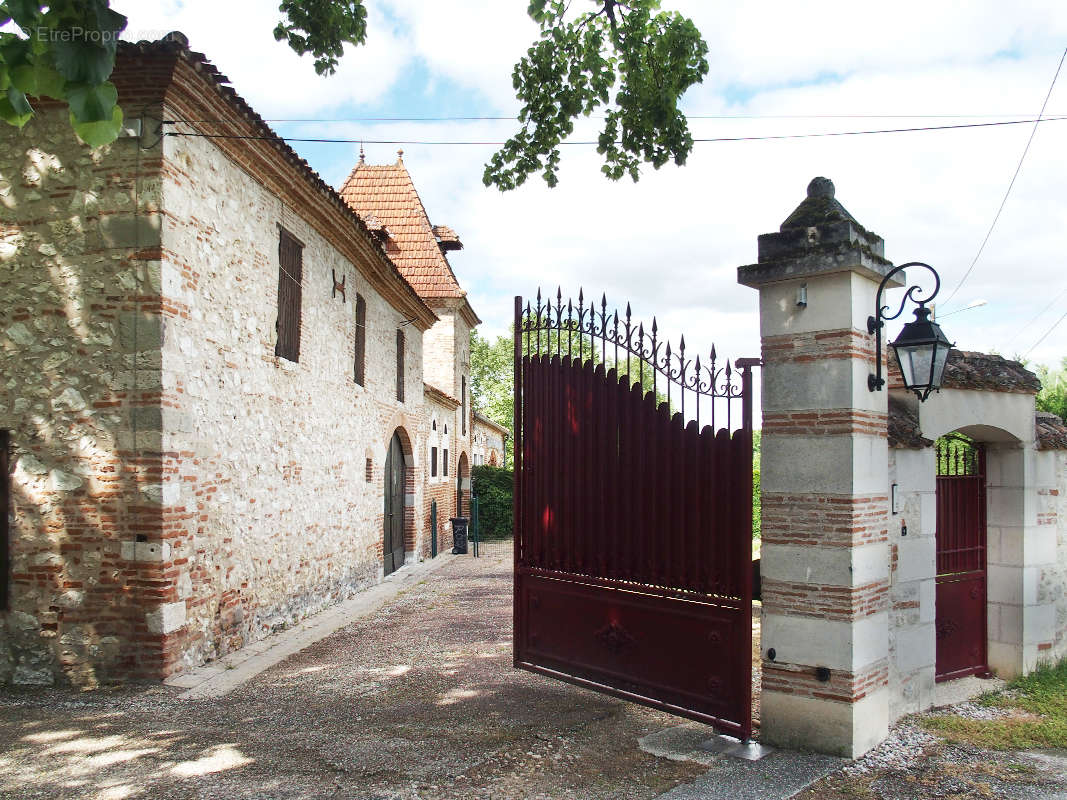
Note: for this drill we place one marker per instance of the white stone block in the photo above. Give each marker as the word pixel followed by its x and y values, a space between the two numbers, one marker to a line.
pixel 836 644
pixel 915 648
pixel 835 566
pixel 1004 584
pixel 157 552
pixel 1039 624
pixel 928 514
pixel 1039 545
pixel 172 492
pixel 166 618
pixel 1007 626
pixel 827 726
pixel 1006 659
pixel 916 558
pixel 927 600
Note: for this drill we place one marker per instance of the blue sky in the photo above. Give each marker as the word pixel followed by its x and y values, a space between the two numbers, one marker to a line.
pixel 671 243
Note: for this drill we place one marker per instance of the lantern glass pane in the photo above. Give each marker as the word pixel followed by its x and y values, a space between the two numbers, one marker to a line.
pixel 940 359
pixel 915 363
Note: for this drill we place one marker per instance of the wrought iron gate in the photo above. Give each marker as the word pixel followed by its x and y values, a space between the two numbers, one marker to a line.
pixel 961 559
pixel 633 524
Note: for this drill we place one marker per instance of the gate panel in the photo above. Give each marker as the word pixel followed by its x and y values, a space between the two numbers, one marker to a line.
pixel 961 559
pixel 632 521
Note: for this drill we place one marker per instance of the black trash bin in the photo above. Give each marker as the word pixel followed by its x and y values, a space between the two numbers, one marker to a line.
pixel 459 535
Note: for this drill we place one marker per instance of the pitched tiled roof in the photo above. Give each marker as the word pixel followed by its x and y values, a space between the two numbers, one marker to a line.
pixel 1051 432
pixel 904 427
pixel 386 192
pixel 968 370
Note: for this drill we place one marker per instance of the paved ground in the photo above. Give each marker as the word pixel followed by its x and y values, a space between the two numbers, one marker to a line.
pixel 417 698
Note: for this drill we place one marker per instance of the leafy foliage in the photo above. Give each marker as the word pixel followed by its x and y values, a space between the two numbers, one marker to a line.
pixel 629 58
pixel 493 381
pixel 647 59
pixel 494 488
pixel 322 27
pixel 1053 395
pixel 66 52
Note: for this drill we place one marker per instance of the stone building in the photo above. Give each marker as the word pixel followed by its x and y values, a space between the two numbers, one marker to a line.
pixel 487 444
pixel 226 385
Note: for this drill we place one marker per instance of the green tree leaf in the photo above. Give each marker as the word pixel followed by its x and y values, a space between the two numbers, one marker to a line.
pixel 99 133
pixel 322 27
pixel 647 59
pixel 91 103
pixel 15 109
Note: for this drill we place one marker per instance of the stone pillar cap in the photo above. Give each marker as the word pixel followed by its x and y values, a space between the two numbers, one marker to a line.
pixel 820 237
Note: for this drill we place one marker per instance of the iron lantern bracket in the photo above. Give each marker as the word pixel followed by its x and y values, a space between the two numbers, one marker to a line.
pixel 877 321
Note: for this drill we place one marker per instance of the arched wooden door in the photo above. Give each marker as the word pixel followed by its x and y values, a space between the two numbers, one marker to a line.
pixel 395 485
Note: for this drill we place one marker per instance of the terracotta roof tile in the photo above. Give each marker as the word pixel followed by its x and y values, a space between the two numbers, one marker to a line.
pixel 1051 432
pixel 968 370
pixel 447 239
pixel 387 193
pixel 904 430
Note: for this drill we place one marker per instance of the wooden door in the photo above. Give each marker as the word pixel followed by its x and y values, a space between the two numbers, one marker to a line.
pixel 395 486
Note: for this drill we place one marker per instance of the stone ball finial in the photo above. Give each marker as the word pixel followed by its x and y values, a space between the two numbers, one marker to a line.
pixel 178 38
pixel 821 187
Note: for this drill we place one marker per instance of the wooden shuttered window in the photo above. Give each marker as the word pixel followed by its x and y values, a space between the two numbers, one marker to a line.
pixel 290 278
pixel 5 517
pixel 463 404
pixel 433 462
pixel 361 340
pixel 400 365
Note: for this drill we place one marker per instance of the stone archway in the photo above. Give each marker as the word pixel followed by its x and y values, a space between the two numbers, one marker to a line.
pixel 463 486
pixel 398 518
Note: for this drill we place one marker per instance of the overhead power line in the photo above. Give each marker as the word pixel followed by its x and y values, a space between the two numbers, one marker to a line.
pixel 324 140
pixel 512 118
pixel 1037 316
pixel 1045 335
pixel 1022 158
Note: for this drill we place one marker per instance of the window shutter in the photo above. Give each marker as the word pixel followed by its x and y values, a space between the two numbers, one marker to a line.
pixel 463 404
pixel 433 462
pixel 446 462
pixel 290 278
pixel 361 340
pixel 400 365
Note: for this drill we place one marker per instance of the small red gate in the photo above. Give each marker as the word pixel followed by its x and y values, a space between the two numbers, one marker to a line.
pixel 633 525
pixel 961 559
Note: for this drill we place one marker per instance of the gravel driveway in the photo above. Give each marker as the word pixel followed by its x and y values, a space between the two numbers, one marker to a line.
pixel 418 699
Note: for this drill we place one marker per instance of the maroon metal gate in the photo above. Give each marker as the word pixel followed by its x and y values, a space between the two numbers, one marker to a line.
pixel 633 524
pixel 961 559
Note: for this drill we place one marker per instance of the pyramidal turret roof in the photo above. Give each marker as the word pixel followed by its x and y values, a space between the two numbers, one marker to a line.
pixel 385 195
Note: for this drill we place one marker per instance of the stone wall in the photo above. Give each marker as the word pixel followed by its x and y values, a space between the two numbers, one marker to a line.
pixel 266 479
pixel 912 567
pixel 1051 480
pixel 79 344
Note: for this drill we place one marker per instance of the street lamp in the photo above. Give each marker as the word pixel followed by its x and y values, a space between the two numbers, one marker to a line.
pixel 921 348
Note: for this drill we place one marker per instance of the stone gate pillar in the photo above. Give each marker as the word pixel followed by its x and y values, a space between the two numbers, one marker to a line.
pixel 824 475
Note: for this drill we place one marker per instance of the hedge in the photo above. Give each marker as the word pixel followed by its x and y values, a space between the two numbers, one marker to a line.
pixel 493 488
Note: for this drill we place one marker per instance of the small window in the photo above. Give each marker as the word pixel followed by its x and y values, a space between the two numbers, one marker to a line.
pixel 5 515
pixel 370 470
pixel 463 405
pixel 444 463
pixel 290 279
pixel 434 425
pixel 433 462
pixel 400 365
pixel 361 340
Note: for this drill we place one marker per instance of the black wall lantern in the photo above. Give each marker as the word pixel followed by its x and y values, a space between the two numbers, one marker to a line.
pixel 921 348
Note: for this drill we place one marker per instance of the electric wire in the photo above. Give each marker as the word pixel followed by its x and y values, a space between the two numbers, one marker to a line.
pixel 1045 335
pixel 1037 316
pixel 486 118
pixel 1004 201
pixel 717 139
